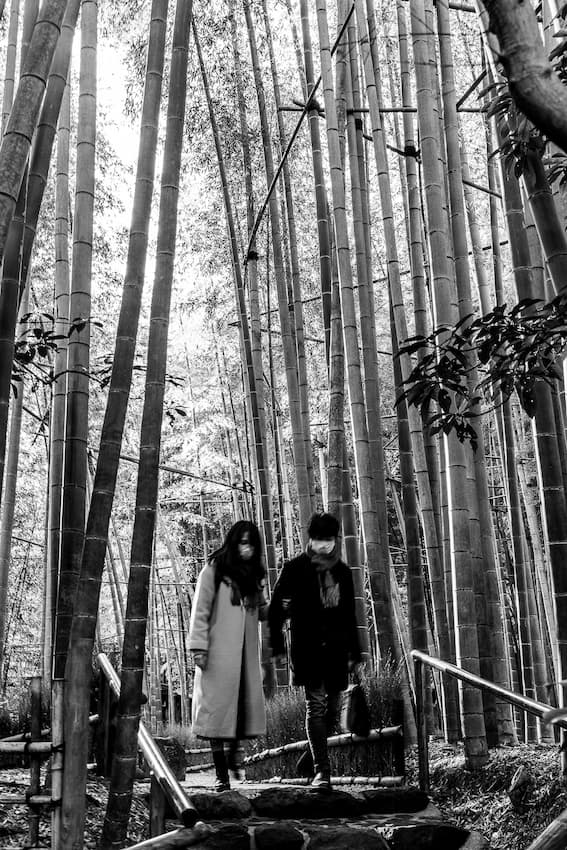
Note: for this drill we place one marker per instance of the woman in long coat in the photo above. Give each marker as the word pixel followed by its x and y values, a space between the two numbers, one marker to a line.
pixel 228 701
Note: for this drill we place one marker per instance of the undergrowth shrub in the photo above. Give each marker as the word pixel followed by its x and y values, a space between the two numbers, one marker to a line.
pixel 285 710
pixel 285 717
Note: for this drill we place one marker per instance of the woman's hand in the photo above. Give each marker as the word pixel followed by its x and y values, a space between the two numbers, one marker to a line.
pixel 200 658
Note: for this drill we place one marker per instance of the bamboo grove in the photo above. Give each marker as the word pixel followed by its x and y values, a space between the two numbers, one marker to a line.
pixel 340 205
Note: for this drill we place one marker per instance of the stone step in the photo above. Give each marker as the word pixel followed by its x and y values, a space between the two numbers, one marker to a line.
pixel 287 818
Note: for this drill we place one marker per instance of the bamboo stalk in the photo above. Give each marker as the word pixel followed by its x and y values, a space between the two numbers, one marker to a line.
pixel 379 571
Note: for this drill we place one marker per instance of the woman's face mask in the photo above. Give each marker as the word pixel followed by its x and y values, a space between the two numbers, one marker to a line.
pixel 245 548
pixel 323 547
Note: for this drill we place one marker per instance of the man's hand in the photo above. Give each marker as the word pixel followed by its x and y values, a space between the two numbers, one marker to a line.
pixel 200 658
pixel 353 666
pixel 280 660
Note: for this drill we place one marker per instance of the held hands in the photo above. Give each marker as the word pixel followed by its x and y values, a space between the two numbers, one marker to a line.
pixel 200 658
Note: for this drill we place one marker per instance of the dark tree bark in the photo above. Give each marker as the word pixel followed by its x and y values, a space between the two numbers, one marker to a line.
pixel 534 85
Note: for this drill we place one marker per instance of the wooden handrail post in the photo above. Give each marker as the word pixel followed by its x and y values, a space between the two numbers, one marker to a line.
pixel 35 758
pixel 178 799
pixel 421 720
pixel 57 686
pixel 158 808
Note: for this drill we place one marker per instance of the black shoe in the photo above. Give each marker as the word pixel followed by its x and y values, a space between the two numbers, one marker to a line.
pixel 322 780
pixel 221 785
pixel 304 765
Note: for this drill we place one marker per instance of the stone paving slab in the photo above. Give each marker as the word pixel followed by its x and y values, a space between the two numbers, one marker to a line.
pixel 259 815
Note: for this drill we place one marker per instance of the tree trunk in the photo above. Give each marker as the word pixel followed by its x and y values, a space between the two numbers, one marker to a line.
pixel 534 85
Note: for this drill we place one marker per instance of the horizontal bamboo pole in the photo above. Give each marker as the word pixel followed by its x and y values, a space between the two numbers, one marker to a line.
pixel 32 747
pixel 176 796
pixel 45 733
pixel 347 738
pixel 32 800
pixel 385 781
pixel 176 838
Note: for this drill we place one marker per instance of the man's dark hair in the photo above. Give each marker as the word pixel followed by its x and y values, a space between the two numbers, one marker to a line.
pixel 322 526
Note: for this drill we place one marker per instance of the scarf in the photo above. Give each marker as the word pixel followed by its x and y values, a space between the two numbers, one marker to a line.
pixel 329 589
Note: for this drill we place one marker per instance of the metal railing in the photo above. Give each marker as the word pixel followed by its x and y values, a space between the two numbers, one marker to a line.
pixel 526 704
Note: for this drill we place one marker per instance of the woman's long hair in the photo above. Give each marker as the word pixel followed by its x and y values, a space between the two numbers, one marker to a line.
pixel 247 575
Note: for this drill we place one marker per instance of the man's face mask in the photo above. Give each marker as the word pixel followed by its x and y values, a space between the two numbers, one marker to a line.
pixel 323 547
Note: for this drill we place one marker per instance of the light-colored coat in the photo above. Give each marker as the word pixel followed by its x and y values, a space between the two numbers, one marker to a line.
pixel 229 634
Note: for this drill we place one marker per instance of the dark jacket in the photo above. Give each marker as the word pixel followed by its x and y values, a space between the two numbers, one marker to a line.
pixel 323 640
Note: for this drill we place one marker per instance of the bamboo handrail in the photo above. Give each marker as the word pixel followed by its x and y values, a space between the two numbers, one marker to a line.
pixel 176 796
pixel 334 741
pixel 524 703
pixel 24 747
pixel 177 838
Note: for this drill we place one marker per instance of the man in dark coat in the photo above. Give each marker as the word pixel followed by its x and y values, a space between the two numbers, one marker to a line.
pixel 315 591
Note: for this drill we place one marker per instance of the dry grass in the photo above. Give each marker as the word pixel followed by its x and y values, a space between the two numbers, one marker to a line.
pixel 480 801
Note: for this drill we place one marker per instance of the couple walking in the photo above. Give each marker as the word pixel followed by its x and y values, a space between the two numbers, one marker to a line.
pixel 315 592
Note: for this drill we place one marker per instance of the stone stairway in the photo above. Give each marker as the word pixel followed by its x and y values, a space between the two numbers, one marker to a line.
pixel 298 818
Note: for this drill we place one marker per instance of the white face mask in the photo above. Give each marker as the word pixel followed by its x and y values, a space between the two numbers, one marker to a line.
pixel 245 550
pixel 322 547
